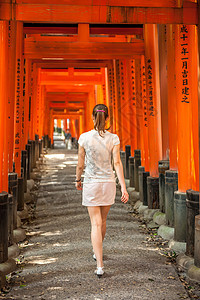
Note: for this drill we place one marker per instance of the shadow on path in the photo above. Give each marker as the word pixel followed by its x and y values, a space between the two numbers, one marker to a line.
pixel 58 260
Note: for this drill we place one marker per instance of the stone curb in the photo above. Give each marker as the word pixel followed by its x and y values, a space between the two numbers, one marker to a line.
pixel 30 184
pixel 23 214
pixel 194 273
pixel 13 251
pixel 184 261
pixel 178 247
pixel 35 176
pixel 137 205
pixel 149 213
pixel 142 208
pixel 19 222
pixel 159 218
pixel 6 268
pixel 19 235
pixel 166 232
pixel 155 218
pixel 28 198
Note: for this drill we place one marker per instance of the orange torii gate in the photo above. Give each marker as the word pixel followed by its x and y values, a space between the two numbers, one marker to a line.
pixel 153 98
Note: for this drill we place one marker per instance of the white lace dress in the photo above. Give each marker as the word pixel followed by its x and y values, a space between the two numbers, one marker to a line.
pixel 99 187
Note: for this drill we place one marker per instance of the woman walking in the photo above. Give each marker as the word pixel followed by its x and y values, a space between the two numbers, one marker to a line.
pixel 99 188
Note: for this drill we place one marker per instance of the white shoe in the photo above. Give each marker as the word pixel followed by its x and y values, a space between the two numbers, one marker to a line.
pixel 94 256
pixel 99 271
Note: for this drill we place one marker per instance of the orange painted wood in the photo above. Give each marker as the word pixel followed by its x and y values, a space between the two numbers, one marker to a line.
pixel 83 32
pixel 73 63
pixel 132 3
pixel 65 125
pixel 163 89
pixel 51 126
pixel 59 123
pixel 26 100
pixel 5 11
pixel 183 44
pixel 24 104
pixel 93 39
pixel 64 80
pixel 40 37
pixel 153 97
pixel 34 103
pixel 81 90
pixel 139 111
pixel 33 74
pixel 101 14
pixel 2 38
pixel 46 112
pixel 81 125
pixel 114 97
pixel 6 107
pixel 132 100
pixel 73 128
pixel 63 115
pixel 66 72
pixel 172 105
pixel 18 99
pixel 11 89
pixel 105 86
pixel 125 103
pixel 3 106
pixel 41 111
pixel 99 94
pixel 89 107
pixel 77 128
pixel 81 50
pixel 193 48
pixel 107 100
pixel 117 32
pixel 110 91
pixel 28 76
pixel 37 104
pixel 118 101
pixel 66 105
pixel 145 154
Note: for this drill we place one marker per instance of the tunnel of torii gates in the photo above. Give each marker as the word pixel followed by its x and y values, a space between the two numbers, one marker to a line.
pixel 140 58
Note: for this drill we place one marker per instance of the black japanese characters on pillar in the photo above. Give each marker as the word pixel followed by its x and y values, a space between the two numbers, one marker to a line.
pixel 133 95
pixel 184 57
pixel 144 94
pixel 150 86
pixel 17 117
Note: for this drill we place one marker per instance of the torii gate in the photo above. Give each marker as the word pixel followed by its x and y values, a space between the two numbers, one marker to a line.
pixel 135 75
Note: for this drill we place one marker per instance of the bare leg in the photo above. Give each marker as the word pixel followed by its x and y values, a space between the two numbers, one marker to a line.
pixel 96 233
pixel 104 213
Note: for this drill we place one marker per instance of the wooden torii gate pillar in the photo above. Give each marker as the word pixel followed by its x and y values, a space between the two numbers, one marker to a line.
pixel 154 112
pixel 3 106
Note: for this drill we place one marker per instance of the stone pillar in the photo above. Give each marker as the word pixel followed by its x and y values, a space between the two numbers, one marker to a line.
pixel 180 220
pixel 192 210
pixel 3 227
pixel 137 163
pixel 153 192
pixel 163 165
pixel 171 185
pixel 127 155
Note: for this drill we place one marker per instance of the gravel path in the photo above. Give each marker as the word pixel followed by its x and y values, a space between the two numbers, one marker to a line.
pixel 58 255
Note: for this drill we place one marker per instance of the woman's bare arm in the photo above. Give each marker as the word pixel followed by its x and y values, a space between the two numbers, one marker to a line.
pixel 120 173
pixel 80 166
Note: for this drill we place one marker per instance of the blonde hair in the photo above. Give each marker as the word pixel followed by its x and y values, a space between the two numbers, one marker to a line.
pixel 100 114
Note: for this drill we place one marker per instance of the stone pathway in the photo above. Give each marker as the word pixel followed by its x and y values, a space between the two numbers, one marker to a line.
pixel 58 255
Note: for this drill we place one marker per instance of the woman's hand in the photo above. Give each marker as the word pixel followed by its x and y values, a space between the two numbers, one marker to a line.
pixel 125 195
pixel 79 186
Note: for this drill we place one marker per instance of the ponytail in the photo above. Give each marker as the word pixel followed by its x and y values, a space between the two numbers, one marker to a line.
pixel 100 114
